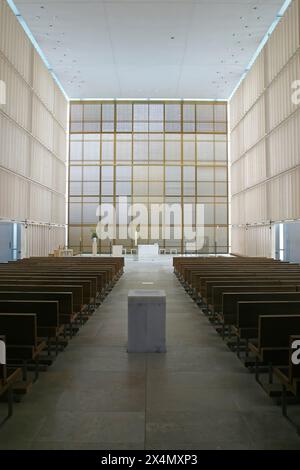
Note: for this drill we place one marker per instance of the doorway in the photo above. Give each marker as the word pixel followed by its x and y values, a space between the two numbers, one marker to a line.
pixel 10 241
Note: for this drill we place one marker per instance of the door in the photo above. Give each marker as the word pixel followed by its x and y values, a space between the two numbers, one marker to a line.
pixel 10 241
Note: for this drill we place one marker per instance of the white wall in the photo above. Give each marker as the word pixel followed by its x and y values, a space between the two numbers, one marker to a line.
pixel 265 141
pixel 32 138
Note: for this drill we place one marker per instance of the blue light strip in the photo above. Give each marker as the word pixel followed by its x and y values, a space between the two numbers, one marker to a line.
pixel 35 45
pixel 217 100
pixel 263 43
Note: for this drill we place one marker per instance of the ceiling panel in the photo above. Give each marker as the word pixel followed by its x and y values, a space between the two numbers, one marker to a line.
pixel 149 49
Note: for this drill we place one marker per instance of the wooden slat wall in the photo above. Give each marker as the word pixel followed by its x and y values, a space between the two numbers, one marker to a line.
pixel 265 142
pixel 33 126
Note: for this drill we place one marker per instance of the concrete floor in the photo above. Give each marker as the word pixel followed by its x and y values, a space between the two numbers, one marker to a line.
pixel 196 396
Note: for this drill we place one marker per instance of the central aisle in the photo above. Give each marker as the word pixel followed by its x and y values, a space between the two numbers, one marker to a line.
pixel 197 396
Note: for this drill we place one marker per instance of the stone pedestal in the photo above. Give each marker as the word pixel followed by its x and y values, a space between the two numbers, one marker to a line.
pixel 147 321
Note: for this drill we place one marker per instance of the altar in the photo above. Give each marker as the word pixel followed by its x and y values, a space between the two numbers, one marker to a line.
pixel 148 251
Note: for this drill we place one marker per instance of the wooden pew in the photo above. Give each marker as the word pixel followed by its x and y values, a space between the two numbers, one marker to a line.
pixel 289 378
pixel 89 283
pixel 231 301
pixel 8 378
pixel 248 314
pixel 216 305
pixel 205 284
pixel 47 316
pixel 58 282
pixel 272 344
pixel 64 299
pixel 76 291
pixel 22 343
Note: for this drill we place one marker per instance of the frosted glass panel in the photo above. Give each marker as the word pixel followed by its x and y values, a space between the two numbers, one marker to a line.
pixel 173 151
pixel 156 189
pixel 124 151
pixel 91 150
pixel 221 189
pixel 76 112
pixel 140 189
pixel 205 112
pixel 221 214
pixel 150 153
pixel 75 189
pixel 205 174
pixel 91 188
pixel 91 173
pixel 141 112
pixel 221 151
pixel 124 112
pixel 206 189
pixel 156 112
pixel 189 151
pixel 156 151
pixel 209 214
pixel 156 173
pixel 124 173
pixel 75 213
pixel 123 189
pixel 108 112
pixel 220 113
pixel 173 112
pixel 221 174
pixel 107 189
pixel 75 151
pixel 189 173
pixel 189 112
pixel 75 173
pixel 140 151
pixel 173 173
pixel 140 173
pixel 89 214
pixel 92 112
pixel 205 151
pixel 173 189
pixel 107 173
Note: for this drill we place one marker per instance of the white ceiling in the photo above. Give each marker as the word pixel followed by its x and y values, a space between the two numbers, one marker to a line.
pixel 123 49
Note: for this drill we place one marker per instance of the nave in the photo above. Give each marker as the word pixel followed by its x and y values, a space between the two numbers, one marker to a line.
pixel 196 396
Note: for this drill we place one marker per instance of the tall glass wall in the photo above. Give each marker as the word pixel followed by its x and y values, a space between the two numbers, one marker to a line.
pixel 149 153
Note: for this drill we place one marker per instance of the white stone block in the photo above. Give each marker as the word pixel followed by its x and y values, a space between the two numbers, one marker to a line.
pixel 147 321
pixel 148 251
pixel 117 250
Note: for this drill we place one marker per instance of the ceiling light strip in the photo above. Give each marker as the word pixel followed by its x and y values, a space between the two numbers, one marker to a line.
pixel 209 100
